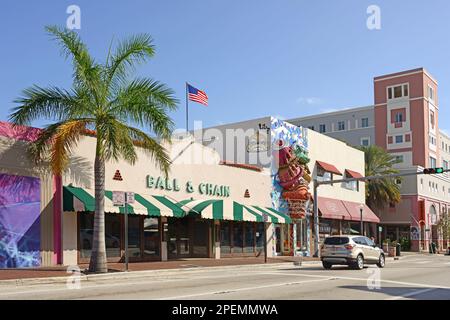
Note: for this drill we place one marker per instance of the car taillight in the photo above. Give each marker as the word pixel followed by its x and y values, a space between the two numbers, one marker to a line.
pixel 349 246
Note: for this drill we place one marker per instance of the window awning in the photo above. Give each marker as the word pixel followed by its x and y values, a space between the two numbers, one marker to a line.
pixel 332 209
pixel 232 210
pixel 81 199
pixel 354 208
pixel 328 167
pixel 353 174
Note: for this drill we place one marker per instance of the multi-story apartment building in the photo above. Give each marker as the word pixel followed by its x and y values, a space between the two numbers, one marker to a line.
pixel 404 122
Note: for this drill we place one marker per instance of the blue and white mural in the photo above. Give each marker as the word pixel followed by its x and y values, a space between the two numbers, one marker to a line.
pixel 20 233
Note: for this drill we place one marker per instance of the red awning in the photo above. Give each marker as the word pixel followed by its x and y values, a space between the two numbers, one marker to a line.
pixel 332 209
pixel 353 174
pixel 354 210
pixel 329 167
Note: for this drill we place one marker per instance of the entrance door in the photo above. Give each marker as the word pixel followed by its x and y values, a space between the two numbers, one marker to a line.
pixel 278 239
pixel 178 245
pixel 201 238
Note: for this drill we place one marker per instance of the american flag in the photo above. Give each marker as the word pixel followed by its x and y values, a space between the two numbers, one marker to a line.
pixel 197 95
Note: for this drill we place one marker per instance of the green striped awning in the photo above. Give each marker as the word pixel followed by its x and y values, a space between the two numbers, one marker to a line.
pixel 232 210
pixel 81 199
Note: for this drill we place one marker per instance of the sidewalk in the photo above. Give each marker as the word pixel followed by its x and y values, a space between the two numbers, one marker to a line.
pixel 61 271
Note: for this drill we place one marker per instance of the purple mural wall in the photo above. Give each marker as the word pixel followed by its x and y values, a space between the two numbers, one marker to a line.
pixel 19 221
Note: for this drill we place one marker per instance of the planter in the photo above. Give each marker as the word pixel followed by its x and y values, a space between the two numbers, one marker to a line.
pixel 392 251
pixel 386 247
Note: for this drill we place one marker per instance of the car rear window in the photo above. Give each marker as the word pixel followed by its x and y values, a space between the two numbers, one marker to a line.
pixel 336 240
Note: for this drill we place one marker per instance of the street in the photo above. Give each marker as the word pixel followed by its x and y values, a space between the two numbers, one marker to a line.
pixel 411 277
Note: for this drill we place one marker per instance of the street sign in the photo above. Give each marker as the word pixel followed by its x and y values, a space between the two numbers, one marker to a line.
pixel 380 228
pixel 130 197
pixel 118 198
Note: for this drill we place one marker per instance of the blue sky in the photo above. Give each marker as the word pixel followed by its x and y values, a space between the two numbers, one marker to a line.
pixel 253 58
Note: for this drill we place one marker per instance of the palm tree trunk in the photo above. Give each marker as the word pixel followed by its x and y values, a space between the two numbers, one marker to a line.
pixel 98 262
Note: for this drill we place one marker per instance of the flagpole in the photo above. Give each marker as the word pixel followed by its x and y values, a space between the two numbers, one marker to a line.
pixel 187 119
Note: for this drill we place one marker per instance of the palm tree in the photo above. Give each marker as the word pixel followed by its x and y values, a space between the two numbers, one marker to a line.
pixel 104 99
pixel 380 192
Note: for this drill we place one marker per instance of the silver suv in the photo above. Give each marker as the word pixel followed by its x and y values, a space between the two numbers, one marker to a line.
pixel 353 251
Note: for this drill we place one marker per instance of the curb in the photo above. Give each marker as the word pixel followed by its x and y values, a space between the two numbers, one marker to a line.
pixel 135 274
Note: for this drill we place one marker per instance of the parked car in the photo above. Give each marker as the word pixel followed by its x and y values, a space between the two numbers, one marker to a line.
pixel 354 251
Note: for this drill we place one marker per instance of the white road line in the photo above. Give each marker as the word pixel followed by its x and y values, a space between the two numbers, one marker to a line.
pixel 362 279
pixel 410 294
pixel 241 289
pixel 94 286
pixel 421 261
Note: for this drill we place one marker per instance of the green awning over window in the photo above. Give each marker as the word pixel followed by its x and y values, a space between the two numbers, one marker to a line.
pixel 232 210
pixel 81 199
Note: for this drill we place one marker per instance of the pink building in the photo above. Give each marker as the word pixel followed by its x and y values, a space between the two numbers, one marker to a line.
pixel 404 120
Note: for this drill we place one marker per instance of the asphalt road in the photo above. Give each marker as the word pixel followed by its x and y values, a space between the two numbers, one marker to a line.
pixel 411 277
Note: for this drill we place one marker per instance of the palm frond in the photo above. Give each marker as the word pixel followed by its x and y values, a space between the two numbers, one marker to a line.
pixel 87 73
pixel 51 103
pixel 146 102
pixel 129 52
pixel 150 146
pixel 55 142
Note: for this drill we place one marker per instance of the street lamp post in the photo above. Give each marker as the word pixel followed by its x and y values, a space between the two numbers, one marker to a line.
pixel 361 219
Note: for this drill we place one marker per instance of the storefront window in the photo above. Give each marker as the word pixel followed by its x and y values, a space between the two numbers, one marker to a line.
pixel 112 235
pixel 249 238
pixel 86 234
pixel 134 236
pixel 201 230
pixel 225 242
pixel 260 237
pixel 237 237
pixel 151 237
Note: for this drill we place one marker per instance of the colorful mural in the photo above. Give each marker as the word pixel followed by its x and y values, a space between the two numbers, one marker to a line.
pixel 19 221
pixel 289 171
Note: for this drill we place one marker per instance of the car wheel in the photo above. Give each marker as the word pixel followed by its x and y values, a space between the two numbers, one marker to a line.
pixel 326 265
pixel 382 261
pixel 359 264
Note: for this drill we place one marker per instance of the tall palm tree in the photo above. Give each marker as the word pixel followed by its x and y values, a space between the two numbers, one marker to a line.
pixel 104 99
pixel 380 192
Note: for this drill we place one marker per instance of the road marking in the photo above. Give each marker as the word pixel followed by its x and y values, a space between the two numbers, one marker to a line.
pixel 362 279
pixel 224 291
pixel 410 294
pixel 84 287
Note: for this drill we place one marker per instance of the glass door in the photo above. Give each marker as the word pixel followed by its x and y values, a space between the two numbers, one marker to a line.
pixel 151 238
pixel 184 247
pixel 200 238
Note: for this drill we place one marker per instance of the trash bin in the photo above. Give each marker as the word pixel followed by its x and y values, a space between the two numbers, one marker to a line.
pixel 398 249
pixel 434 247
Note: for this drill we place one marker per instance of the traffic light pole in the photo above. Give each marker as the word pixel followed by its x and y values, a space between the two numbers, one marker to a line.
pixel 317 184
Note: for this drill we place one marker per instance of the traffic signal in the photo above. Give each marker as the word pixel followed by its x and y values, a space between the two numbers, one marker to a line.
pixel 433 170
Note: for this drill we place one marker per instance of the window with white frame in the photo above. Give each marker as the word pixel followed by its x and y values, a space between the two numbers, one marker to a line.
pixel 398 117
pixel 322 128
pixel 432 162
pixel 323 175
pixel 430 93
pixel 399 159
pixel 341 125
pixel 365 142
pixel 398 91
pixel 398 139
pixel 364 122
